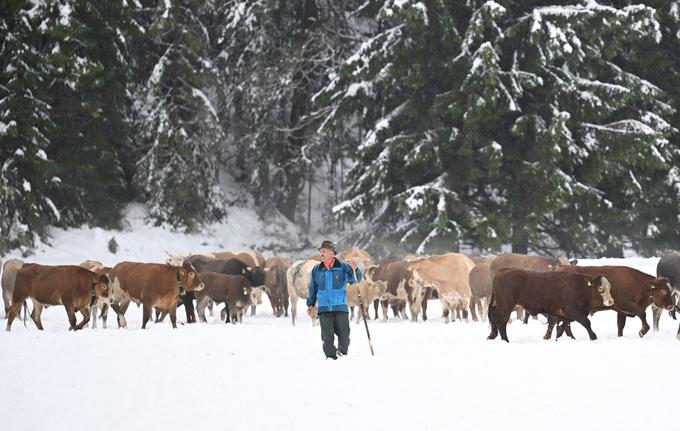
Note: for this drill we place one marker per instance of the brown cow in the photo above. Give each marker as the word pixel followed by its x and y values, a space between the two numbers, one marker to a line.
pixel 234 290
pixel 9 276
pixel 565 295
pixel 73 287
pixel 480 285
pixel 633 291
pixel 528 263
pixel 404 285
pixel 115 292
pixel 153 285
pixel 277 286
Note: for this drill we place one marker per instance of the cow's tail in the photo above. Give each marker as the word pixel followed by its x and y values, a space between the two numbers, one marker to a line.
pixel 491 314
pixel 25 306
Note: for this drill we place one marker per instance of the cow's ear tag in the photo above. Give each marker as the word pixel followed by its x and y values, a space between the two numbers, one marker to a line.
pixel 651 285
pixel 589 283
pixel 245 292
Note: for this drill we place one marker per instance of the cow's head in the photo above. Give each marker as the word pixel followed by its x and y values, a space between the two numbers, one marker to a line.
pixel 661 293
pixel 101 285
pixel 379 288
pixel 601 288
pixel 256 295
pixel 255 274
pixel 189 277
pixel 370 271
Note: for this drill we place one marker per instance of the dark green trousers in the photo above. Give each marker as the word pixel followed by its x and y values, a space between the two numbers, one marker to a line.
pixel 332 324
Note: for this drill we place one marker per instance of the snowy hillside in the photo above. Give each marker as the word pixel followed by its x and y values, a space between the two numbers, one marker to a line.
pixel 268 375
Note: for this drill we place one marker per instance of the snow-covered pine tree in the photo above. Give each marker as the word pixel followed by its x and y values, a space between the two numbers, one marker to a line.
pixel 274 57
pixel 87 93
pixel 541 116
pixel 178 132
pixel 27 177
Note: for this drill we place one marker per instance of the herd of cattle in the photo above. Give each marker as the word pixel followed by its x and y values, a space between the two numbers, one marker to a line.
pixel 466 286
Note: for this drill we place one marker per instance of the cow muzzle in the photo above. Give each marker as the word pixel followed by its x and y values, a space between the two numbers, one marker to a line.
pixel 200 287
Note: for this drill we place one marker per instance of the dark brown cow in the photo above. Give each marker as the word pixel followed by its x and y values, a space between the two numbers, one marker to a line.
pixel 633 291
pixel 277 287
pixel 153 285
pixel 564 295
pixel 73 287
pixel 669 267
pixel 480 284
pixel 249 257
pixel 234 290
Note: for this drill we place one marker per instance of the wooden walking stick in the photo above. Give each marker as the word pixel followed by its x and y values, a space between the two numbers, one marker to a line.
pixel 363 315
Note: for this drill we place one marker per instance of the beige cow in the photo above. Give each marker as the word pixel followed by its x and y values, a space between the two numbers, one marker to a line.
pixel 480 284
pixel 9 276
pixel 449 275
pixel 369 291
pixel 297 278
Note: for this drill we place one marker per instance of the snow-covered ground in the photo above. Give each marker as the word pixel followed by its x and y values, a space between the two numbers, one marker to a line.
pixel 268 375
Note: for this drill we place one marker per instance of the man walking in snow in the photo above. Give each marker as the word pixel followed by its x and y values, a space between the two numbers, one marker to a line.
pixel 328 287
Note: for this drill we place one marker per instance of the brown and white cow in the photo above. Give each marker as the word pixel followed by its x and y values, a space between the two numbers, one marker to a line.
pixel 449 275
pixel 277 285
pixel 564 295
pixel 633 291
pixel 9 275
pixel 115 292
pixel 297 279
pixel 73 287
pixel 153 285
pixel 403 286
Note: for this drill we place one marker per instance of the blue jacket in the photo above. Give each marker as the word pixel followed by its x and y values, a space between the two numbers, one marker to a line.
pixel 329 286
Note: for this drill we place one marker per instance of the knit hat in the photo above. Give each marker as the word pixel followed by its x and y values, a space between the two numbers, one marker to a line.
pixel 330 245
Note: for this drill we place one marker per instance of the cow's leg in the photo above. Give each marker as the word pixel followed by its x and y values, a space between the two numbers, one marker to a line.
pixel 200 307
pixel 567 330
pixel 384 306
pixel 645 325
pixel 104 314
pixel 376 304
pixel 423 306
pixel 445 309
pixel 678 334
pixel 285 307
pixel 12 313
pixel 160 315
pixel 494 325
pixel 473 309
pixel 620 323
pixel 93 316
pixel 189 308
pixel 551 325
pixel 36 315
pixel 503 320
pixel 120 310
pixel 146 313
pixel 585 322
pixel 71 313
pixel 210 306
pixel 656 316
pixel 351 313
pixel 173 316
pixel 86 318
pixel 252 310
pixel 293 310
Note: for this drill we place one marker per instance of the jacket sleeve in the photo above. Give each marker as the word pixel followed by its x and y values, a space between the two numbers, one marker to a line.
pixel 313 289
